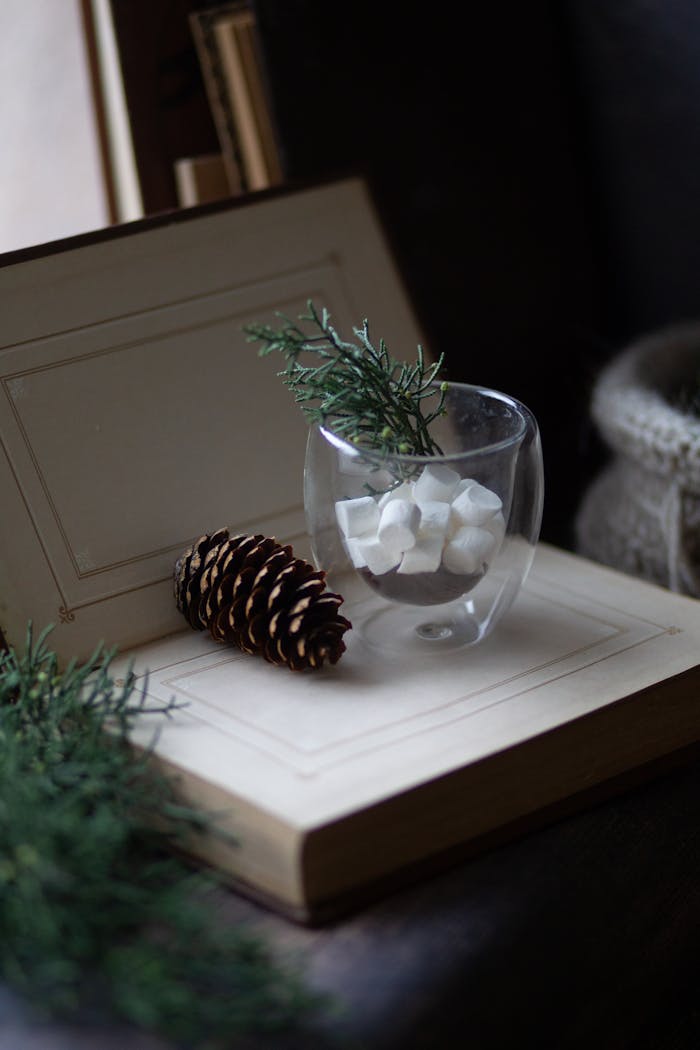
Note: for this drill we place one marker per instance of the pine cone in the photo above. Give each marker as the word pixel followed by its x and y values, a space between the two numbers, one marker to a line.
pixel 253 592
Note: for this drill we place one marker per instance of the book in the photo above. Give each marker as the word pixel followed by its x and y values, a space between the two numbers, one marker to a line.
pixel 200 179
pixel 134 416
pixel 241 59
pixel 202 25
pixel 111 114
pixel 334 784
pixel 150 89
pixel 231 57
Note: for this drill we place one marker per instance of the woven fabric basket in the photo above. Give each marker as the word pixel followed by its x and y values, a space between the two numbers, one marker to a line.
pixel 642 514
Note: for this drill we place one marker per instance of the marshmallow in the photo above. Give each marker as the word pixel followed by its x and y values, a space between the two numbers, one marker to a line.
pixel 497 527
pixel 436 482
pixel 434 519
pixel 377 556
pixel 353 545
pixel 402 491
pixel 424 556
pixel 398 525
pixel 475 505
pixel 465 483
pixel 417 525
pixel 469 550
pixel 356 516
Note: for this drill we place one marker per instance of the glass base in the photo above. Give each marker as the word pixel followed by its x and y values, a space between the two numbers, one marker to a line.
pixel 398 628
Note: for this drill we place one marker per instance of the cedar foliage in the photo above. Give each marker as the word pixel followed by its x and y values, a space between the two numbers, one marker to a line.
pixel 98 915
pixel 356 387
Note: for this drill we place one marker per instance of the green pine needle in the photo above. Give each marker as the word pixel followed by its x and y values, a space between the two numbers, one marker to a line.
pixel 97 914
pixel 357 389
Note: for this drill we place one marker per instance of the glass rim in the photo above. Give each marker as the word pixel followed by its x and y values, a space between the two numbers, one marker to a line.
pixel 526 418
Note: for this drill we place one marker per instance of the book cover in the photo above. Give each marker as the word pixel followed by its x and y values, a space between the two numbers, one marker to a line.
pixel 125 372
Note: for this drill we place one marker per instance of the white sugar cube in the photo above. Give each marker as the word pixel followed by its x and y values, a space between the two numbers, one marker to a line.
pixel 434 519
pixel 436 482
pixel 398 525
pixel 402 491
pixel 356 516
pixel 469 551
pixel 377 556
pixel 424 556
pixel 475 505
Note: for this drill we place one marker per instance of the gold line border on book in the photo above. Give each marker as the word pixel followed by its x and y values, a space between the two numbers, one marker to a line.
pixel 617 631
pixel 90 602
pixel 329 262
pixel 337 761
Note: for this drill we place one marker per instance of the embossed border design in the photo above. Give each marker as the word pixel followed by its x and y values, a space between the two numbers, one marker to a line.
pixel 11 383
pixel 306 764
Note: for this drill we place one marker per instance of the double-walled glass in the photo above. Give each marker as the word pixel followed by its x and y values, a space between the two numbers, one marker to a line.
pixel 430 551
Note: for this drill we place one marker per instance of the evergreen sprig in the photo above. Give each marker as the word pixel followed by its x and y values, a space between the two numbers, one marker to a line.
pixel 357 389
pixel 97 914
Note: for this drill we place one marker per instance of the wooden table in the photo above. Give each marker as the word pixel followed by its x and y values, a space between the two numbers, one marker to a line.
pixel 580 935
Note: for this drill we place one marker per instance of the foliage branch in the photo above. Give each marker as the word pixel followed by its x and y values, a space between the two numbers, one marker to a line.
pixel 357 389
pixel 97 913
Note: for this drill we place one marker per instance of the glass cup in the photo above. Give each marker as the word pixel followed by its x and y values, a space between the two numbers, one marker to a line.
pixel 430 551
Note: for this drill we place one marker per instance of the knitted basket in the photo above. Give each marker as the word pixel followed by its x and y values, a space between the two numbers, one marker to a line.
pixel 642 514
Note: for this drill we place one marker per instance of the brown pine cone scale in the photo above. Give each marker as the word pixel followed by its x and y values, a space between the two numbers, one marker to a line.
pixel 252 592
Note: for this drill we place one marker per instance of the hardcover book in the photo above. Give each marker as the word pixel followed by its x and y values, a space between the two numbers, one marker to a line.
pixel 134 416
pixel 242 62
pixel 149 93
pixel 232 61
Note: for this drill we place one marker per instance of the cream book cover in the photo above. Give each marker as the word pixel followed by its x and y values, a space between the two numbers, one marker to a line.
pixel 135 416
pixel 134 413
pixel 333 781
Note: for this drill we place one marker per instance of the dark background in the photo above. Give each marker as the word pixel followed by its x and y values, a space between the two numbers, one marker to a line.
pixel 536 166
